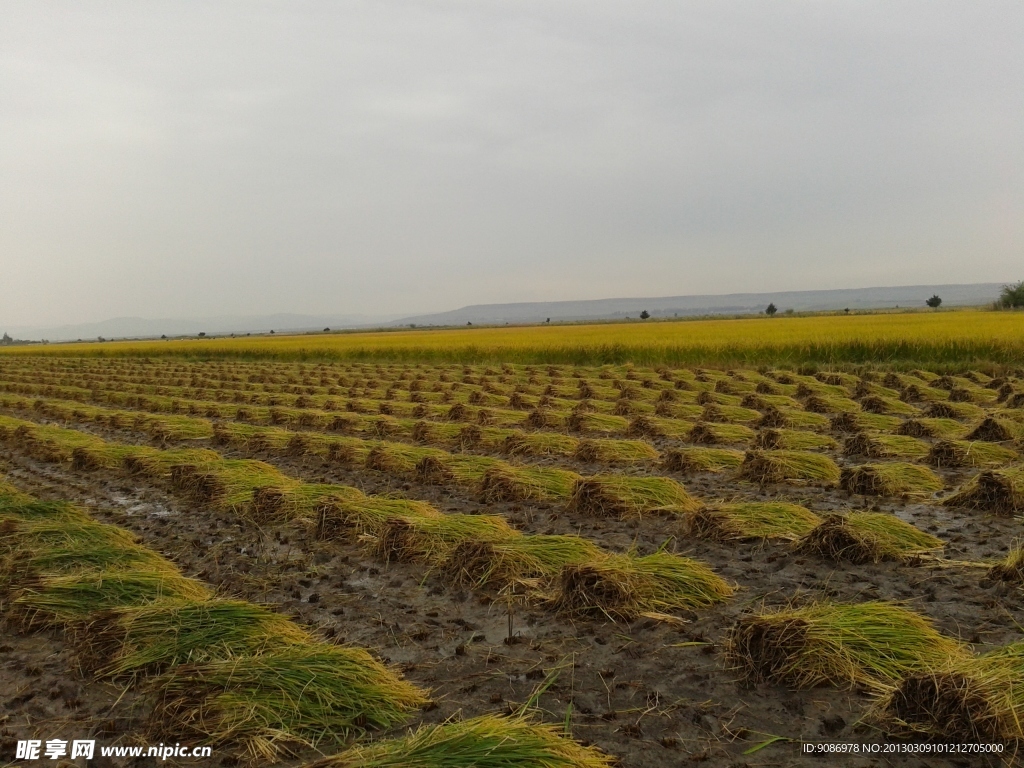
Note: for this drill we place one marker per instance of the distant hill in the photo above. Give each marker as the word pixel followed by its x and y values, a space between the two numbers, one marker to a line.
pixel 139 327
pixel 726 304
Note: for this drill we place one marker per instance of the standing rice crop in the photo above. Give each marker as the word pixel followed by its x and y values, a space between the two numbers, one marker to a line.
pixel 870 644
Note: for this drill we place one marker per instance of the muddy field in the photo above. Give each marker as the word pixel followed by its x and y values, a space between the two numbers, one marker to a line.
pixel 649 692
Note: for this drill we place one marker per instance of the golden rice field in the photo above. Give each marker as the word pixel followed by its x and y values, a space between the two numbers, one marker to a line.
pixel 351 563
pixel 913 339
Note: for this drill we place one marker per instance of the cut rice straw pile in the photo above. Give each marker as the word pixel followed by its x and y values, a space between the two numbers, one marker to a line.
pixel 868 537
pixel 999 491
pixel 701 459
pixel 752 520
pixel 894 478
pixel 628 496
pixel 870 644
pixel 789 467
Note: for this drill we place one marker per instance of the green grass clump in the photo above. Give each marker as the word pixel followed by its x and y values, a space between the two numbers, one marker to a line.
pixel 947 429
pixel 793 440
pixel 301 696
pixel 701 459
pixel 970 700
pixel 895 478
pixel 789 467
pixel 626 587
pixel 1000 491
pixel 507 561
pixel 153 638
pixel 870 644
pixel 752 520
pixel 510 482
pixel 885 446
pixel 629 496
pixel 488 741
pixel 867 537
pixel 968 453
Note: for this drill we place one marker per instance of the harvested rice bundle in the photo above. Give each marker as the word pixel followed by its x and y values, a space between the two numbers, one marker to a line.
pixel 867 537
pixel 1000 491
pixel 762 402
pixel 604 451
pixel 463 470
pixel 865 644
pixel 1011 567
pixel 656 426
pixel 864 422
pixel 56 600
pixel 831 404
pixel 888 406
pixel 228 483
pixel 789 467
pixel 701 459
pixel 894 478
pixel 792 417
pixel 399 459
pixel 629 496
pixel 793 439
pixel 885 446
pixel 970 700
pixel 996 430
pixel 962 411
pixel 152 638
pixel 488 741
pixel 522 483
pixel 597 423
pixel 967 393
pixel 507 561
pixel 545 418
pixel 625 587
pixel 837 379
pixel 949 429
pixel 920 393
pixel 251 438
pixel 429 539
pixel 292 502
pixel 355 514
pixel 709 433
pixel 540 444
pixel 967 453
pixel 717 398
pixel 435 432
pixel 752 520
pixel 730 414
pixel 304 695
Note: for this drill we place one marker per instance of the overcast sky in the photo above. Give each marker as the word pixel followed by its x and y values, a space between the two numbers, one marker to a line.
pixel 171 159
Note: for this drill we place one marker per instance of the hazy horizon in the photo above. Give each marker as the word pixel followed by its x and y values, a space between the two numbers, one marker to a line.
pixel 389 158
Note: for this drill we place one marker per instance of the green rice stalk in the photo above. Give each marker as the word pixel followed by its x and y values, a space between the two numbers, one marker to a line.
pixel 868 537
pixel 868 645
pixel 894 478
pixel 752 520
